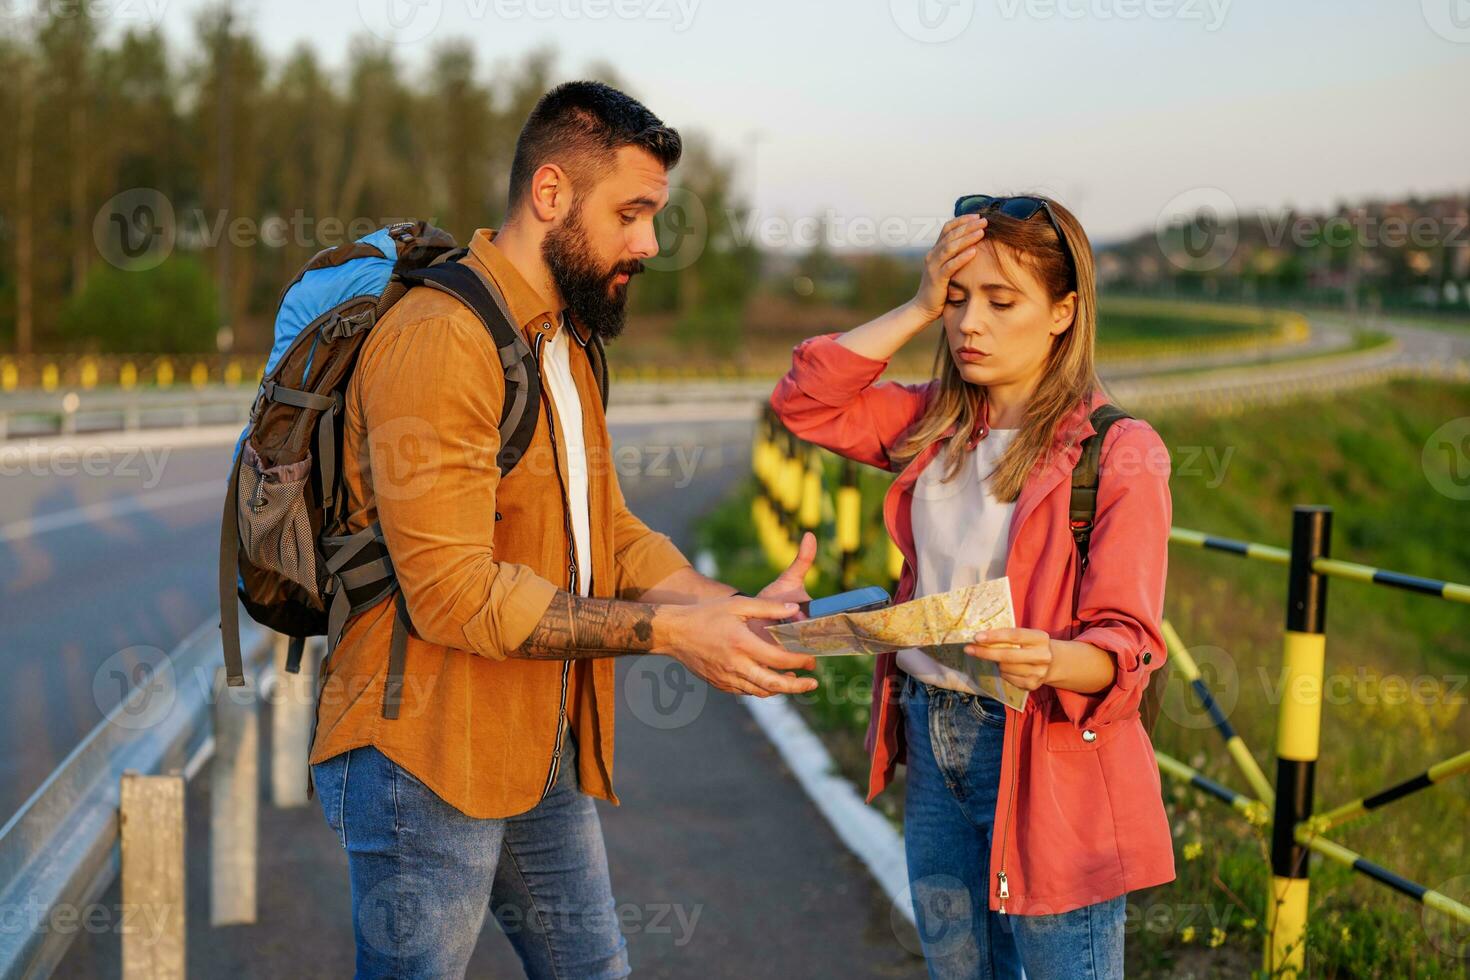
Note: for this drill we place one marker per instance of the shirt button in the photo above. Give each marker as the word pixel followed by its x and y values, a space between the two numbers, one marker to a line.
pixel 1088 735
pixel 1147 657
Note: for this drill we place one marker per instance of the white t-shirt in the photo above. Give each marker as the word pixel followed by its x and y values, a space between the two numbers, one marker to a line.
pixel 556 374
pixel 960 534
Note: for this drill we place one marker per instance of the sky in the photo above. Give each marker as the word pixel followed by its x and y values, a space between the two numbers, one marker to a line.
pixel 881 112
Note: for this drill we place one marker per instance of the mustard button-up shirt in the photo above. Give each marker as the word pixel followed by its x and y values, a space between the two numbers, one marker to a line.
pixel 478 557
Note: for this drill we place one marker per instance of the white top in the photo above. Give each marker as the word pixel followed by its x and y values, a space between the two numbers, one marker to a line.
pixel 556 375
pixel 959 540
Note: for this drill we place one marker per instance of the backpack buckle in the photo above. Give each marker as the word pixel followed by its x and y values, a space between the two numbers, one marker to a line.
pixel 340 327
pixel 261 397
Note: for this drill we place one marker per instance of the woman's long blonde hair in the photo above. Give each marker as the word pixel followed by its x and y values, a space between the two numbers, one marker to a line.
pixel 1068 377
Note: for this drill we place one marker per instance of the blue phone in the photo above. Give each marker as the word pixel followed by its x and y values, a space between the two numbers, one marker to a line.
pixel 857 600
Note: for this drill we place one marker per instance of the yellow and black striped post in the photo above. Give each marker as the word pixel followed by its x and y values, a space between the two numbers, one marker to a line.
pixel 1298 739
pixel 849 522
pixel 809 516
pixel 793 469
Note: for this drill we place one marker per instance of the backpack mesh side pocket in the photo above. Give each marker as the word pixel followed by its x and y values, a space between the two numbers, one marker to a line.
pixel 275 522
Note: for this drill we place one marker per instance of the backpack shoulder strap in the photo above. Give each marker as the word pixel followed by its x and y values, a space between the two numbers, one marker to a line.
pixel 1085 476
pixel 1082 514
pixel 1083 509
pixel 229 568
pixel 522 380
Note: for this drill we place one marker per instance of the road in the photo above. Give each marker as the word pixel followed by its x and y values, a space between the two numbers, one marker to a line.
pixel 721 865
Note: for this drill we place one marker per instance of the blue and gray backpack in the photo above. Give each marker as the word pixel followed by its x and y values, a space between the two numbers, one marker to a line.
pixel 285 549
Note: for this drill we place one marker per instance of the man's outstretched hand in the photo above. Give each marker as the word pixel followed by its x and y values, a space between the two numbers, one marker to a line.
pixel 725 640
pixel 714 639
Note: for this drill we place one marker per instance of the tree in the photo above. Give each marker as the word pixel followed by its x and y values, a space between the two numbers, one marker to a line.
pixel 169 309
pixel 67 40
pixel 226 126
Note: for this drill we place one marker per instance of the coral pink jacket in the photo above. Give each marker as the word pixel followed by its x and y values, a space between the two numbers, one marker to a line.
pixel 1080 818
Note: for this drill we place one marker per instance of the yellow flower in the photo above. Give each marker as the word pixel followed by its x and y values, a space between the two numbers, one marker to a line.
pixel 1217 937
pixel 1347 934
pixel 1193 850
pixel 1248 924
pixel 1187 934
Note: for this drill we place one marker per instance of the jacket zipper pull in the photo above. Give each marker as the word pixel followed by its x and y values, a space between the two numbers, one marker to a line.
pixel 1005 890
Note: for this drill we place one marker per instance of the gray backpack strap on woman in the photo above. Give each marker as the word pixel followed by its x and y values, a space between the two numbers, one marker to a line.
pixel 1081 516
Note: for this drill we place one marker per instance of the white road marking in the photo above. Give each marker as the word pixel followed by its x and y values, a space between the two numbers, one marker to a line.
pixel 118 507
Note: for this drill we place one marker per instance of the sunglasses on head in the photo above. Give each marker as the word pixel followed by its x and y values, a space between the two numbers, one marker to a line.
pixel 1020 208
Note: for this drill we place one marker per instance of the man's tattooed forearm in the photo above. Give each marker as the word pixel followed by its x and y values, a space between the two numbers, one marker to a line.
pixel 581 628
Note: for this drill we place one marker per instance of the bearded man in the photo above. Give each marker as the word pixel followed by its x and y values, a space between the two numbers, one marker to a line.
pixel 520 589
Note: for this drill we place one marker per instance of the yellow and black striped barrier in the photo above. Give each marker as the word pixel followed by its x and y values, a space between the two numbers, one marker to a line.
pixel 791 500
pixel 1245 549
pixel 1454 766
pixel 127 371
pixel 1255 811
pixel 1453 591
pixel 1331 567
pixel 1180 656
pixel 1428 897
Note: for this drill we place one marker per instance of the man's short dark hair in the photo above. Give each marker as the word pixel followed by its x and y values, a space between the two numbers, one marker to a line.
pixel 580 126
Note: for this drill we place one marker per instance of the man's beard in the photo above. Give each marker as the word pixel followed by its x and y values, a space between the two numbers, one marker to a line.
pixel 590 294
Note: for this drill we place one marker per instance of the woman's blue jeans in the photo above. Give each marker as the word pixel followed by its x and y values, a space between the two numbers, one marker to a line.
pixel 954 756
pixel 424 875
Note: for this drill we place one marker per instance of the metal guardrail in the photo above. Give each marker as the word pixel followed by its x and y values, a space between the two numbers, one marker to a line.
pixel 61 850
pixel 38 414
pixel 68 413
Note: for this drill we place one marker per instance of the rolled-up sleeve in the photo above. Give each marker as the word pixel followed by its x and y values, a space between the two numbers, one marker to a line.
pixel 430 399
pixel 642 556
pixel 1121 598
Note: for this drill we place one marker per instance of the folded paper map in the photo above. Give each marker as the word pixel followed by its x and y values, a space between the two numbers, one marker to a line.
pixel 939 625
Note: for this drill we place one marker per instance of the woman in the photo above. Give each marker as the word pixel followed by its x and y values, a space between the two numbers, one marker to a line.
pixel 1024 830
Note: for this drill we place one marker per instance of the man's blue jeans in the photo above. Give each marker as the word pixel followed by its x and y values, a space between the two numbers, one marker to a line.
pixel 954 756
pixel 423 875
